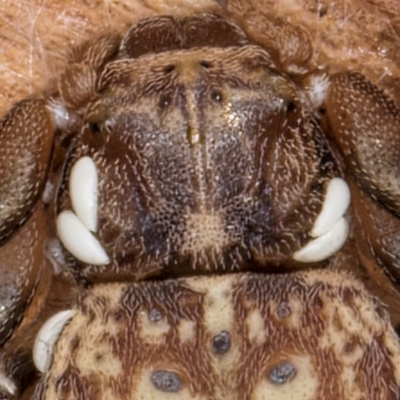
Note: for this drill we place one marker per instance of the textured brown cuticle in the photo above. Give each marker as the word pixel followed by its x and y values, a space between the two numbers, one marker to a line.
pixel 163 127
pixel 213 147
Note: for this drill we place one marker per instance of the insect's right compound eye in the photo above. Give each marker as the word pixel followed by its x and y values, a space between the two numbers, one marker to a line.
pixel 282 373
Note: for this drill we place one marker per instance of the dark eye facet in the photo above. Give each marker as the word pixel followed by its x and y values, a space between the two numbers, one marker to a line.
pixel 95 128
pixel 216 96
pixel 282 373
pixel 169 68
pixel 205 64
pixel 155 315
pixel 166 381
pixel 221 343
pixel 165 101
pixel 291 107
pixel 284 310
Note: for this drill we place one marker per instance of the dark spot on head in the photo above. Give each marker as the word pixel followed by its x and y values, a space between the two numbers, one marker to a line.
pixel 221 343
pixel 166 381
pixel 216 95
pixel 283 310
pixel 169 68
pixel 318 303
pixel 205 64
pixel 94 128
pixel 282 373
pixel 349 347
pixel 154 315
pixel 165 101
pixel 291 107
pixel 322 10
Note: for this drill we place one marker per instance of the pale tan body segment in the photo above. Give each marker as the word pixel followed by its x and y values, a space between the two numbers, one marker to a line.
pixel 239 337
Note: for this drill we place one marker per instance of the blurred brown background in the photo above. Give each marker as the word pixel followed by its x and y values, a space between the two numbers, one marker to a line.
pixel 347 34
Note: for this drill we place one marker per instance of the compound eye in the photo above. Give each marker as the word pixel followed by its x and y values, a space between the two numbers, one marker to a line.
pixel 290 107
pixel 205 64
pixel 221 343
pixel 103 127
pixel 94 128
pixel 166 381
pixel 217 96
pixel 165 101
pixel 282 373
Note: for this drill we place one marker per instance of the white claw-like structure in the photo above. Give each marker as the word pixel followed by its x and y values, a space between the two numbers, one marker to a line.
pixel 337 200
pixel 325 245
pixel 47 337
pixel 79 241
pixel 83 191
pixel 330 229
